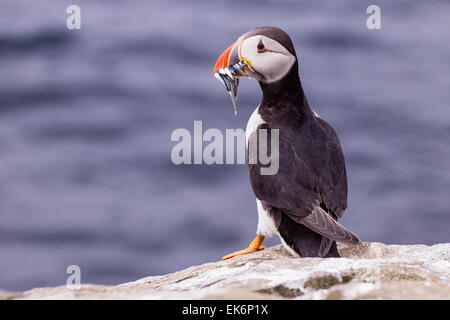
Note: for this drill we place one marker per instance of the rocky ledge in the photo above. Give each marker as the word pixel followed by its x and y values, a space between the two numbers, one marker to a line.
pixel 369 271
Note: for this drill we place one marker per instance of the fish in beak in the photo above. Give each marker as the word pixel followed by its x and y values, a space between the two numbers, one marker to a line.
pixel 229 68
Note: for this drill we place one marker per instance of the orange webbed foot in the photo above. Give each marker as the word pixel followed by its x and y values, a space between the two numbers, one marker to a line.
pixel 253 247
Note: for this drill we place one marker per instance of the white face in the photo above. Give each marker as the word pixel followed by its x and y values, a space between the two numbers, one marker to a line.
pixel 267 57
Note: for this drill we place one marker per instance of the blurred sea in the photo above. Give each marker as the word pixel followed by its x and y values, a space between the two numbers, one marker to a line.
pixel 86 118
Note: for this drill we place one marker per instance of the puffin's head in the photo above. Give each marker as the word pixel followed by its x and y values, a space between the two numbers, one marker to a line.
pixel 264 53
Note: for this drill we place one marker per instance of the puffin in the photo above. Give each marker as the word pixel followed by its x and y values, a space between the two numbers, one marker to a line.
pixel 303 201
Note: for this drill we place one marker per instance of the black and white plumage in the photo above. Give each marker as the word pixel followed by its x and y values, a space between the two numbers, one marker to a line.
pixel 303 201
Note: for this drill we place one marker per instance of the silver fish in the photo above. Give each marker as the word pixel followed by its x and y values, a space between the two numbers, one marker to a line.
pixel 231 84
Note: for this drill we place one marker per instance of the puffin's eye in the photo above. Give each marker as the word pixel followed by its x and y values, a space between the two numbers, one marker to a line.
pixel 261 47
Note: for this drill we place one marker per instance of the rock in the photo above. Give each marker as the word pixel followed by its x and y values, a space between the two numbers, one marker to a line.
pixel 369 271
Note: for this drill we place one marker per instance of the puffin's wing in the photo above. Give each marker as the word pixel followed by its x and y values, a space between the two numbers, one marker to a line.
pixel 293 188
pixel 321 222
pixel 298 188
pixel 332 176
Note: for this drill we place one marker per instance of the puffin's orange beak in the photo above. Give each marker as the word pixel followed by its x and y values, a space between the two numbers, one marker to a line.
pixel 224 59
pixel 228 69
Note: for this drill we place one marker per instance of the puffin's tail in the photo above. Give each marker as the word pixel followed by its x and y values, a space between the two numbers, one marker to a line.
pixel 304 241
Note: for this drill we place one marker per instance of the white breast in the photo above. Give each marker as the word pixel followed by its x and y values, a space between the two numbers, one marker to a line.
pixel 253 123
pixel 266 224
